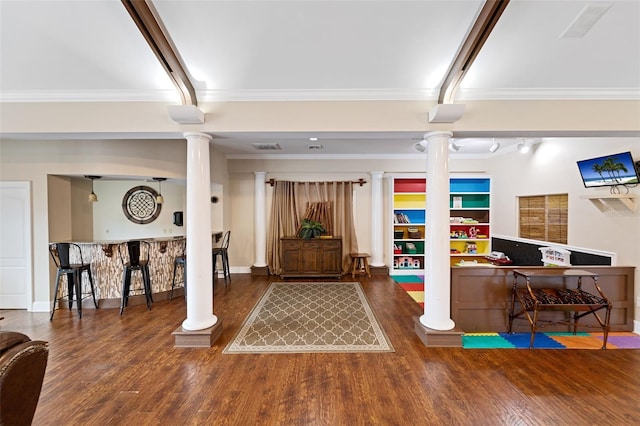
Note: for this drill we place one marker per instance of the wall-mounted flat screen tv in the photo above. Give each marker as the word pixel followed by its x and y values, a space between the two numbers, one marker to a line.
pixel 610 170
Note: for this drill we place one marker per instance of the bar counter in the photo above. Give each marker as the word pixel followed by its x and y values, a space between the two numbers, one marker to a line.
pixel 107 269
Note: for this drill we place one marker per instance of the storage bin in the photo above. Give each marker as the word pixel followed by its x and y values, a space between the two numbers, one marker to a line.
pixel 411 248
pixel 414 233
pixel 398 234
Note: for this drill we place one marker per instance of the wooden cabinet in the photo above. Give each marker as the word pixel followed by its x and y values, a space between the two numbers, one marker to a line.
pixel 311 258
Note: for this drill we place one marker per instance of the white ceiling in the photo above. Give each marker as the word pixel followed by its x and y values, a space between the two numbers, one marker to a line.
pixel 91 50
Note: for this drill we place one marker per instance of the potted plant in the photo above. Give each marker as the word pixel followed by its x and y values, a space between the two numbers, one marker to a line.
pixel 310 229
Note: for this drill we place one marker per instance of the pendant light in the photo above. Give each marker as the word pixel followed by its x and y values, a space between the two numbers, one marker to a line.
pixel 93 198
pixel 159 198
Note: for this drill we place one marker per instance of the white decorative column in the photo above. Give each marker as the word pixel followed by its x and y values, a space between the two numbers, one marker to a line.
pixel 376 220
pixel 260 220
pixel 437 278
pixel 199 286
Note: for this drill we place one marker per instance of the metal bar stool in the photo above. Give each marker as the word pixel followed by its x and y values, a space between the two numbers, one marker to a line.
pixel 223 252
pixel 61 254
pixel 180 260
pixel 134 256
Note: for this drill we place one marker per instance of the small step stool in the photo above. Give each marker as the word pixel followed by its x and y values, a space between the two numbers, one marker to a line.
pixel 359 264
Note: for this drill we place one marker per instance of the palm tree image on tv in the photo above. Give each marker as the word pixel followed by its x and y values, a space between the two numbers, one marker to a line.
pixel 612 170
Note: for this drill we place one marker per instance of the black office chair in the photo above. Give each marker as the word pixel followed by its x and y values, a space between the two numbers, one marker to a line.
pixel 180 260
pixel 134 256
pixel 61 253
pixel 223 252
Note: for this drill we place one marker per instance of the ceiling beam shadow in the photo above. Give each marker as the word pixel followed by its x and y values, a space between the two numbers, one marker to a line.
pixel 487 19
pixel 157 37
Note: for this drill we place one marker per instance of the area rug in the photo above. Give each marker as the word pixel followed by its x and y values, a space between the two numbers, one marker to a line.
pixel 550 340
pixel 298 317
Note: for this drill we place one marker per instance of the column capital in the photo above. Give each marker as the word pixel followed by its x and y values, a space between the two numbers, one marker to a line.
pixel 260 173
pixel 438 133
pixel 197 135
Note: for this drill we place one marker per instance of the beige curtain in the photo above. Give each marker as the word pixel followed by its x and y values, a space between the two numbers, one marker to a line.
pixel 284 222
pixel 330 203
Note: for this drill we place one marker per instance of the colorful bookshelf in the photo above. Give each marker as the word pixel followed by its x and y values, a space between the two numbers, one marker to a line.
pixel 470 229
pixel 408 216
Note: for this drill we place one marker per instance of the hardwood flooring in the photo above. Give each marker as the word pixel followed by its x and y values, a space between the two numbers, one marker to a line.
pixel 107 369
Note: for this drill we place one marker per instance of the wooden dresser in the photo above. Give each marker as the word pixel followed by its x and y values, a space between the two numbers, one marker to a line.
pixel 315 257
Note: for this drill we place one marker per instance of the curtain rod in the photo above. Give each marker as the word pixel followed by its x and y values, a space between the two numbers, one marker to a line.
pixel 360 181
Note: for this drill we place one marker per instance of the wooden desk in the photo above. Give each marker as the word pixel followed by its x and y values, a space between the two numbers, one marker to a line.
pixel 533 300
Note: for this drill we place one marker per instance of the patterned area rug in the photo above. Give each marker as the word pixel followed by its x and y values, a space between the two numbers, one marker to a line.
pixel 298 317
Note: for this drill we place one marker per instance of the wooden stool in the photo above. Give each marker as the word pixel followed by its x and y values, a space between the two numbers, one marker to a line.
pixel 359 261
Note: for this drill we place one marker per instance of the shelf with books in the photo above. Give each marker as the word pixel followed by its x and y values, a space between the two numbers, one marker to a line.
pixel 408 217
pixel 470 211
pixel 470 224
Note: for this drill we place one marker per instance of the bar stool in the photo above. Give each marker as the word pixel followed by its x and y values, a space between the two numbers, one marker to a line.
pixel 134 256
pixel 180 260
pixel 360 264
pixel 223 252
pixel 61 255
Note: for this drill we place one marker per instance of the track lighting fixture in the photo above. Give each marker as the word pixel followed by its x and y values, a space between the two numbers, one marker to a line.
pixel 93 198
pixel 494 147
pixel 453 147
pixel 159 198
pixel 524 147
pixel 421 146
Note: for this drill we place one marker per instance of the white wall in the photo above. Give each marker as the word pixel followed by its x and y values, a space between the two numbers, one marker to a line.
pixel 110 223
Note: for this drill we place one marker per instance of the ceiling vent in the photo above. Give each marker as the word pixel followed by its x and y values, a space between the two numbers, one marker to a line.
pixel 266 146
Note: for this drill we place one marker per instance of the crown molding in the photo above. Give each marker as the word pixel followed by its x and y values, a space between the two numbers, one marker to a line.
pixel 316 95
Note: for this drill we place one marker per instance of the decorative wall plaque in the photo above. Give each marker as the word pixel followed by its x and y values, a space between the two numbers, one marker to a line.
pixel 139 205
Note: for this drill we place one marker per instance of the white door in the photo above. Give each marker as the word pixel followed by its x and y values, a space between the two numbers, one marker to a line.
pixel 15 245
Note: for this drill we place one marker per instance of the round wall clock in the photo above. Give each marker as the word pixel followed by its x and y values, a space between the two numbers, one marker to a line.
pixel 139 205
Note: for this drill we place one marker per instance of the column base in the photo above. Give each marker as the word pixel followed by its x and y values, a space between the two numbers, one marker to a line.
pixel 438 338
pixel 198 338
pixel 259 270
pixel 379 270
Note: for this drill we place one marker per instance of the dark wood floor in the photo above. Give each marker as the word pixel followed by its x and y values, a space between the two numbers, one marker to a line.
pixel 108 369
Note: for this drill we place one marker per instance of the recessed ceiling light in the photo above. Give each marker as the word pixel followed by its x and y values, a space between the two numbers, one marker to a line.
pixel 313 139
